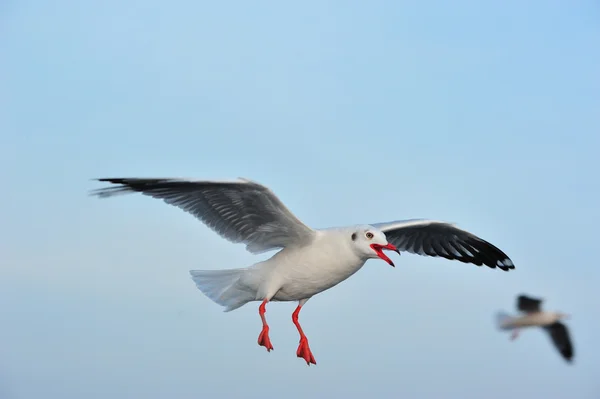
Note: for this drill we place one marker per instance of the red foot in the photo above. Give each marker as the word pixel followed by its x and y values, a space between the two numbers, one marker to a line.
pixel 304 352
pixel 263 339
pixel 514 335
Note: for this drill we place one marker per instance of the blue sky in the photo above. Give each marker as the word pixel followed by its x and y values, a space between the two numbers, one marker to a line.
pixel 480 113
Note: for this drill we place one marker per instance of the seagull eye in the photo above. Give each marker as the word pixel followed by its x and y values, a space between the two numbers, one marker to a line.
pixel 369 235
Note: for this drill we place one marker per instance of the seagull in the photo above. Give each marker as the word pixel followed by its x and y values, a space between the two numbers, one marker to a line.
pixel 534 316
pixel 308 261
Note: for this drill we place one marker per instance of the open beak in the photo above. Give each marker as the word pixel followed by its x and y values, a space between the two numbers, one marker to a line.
pixel 379 251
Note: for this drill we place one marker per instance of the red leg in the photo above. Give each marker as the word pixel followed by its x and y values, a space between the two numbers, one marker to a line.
pixel 263 338
pixel 514 334
pixel 303 349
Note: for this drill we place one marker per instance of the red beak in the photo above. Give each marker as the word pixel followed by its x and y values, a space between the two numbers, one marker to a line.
pixel 379 251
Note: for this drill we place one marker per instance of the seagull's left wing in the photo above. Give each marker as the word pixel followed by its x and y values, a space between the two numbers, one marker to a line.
pixel 240 211
pixel 561 339
pixel 435 238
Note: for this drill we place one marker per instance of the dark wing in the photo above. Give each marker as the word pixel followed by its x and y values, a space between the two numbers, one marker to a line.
pixel 240 211
pixel 561 339
pixel 528 304
pixel 434 238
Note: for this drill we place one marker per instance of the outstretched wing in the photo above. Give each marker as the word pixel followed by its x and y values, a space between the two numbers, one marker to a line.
pixel 440 239
pixel 240 211
pixel 561 340
pixel 528 304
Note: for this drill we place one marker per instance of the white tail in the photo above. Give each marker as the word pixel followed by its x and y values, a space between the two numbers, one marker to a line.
pixel 222 287
pixel 503 321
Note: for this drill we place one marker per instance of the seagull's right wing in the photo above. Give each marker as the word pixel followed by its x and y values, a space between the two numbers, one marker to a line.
pixel 435 238
pixel 561 339
pixel 240 211
pixel 528 304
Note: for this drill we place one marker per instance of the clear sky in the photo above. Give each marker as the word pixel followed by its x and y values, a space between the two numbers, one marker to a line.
pixel 486 114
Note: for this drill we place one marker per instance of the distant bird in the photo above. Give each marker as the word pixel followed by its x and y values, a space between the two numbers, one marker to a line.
pixel 310 261
pixel 534 316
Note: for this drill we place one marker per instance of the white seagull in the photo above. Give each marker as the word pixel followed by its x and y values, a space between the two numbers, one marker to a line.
pixel 534 316
pixel 309 261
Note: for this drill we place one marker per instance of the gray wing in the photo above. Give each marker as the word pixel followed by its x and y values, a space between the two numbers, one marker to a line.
pixel 441 239
pixel 528 304
pixel 240 211
pixel 561 340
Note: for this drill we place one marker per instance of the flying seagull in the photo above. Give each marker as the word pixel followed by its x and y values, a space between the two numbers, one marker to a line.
pixel 534 316
pixel 309 261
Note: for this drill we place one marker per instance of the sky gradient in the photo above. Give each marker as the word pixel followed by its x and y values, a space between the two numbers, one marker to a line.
pixel 485 114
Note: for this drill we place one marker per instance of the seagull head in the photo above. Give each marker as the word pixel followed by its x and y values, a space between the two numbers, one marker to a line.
pixel 371 242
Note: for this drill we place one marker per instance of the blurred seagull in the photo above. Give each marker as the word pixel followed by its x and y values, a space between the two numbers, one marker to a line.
pixel 309 261
pixel 534 316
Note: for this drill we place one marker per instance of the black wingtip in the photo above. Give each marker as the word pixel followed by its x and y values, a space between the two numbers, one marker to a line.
pixel 115 180
pixel 106 192
pixel 506 265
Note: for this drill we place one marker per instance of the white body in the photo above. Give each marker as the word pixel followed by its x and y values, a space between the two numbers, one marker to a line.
pixel 536 319
pixel 292 274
